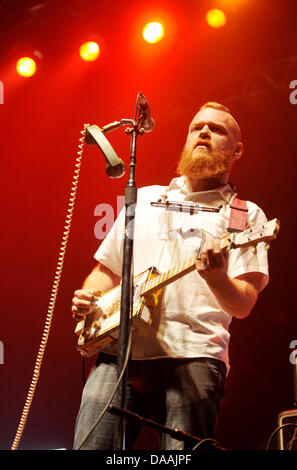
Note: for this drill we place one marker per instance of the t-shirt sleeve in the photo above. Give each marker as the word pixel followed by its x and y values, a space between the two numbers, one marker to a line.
pixel 252 258
pixel 110 252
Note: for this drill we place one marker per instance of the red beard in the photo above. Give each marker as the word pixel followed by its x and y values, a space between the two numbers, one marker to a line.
pixel 206 164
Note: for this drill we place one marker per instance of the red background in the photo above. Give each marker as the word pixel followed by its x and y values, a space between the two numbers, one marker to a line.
pixel 41 120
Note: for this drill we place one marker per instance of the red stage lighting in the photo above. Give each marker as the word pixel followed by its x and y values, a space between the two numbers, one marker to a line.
pixel 89 51
pixel 153 32
pixel 26 67
pixel 216 18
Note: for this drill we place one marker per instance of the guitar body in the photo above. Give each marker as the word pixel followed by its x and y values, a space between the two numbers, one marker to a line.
pixel 100 330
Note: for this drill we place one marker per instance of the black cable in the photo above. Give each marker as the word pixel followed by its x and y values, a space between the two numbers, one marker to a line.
pixel 291 443
pixel 276 431
pixel 112 394
pixel 215 443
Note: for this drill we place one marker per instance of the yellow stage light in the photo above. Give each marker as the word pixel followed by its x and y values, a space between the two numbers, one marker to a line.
pixel 153 32
pixel 216 18
pixel 26 67
pixel 89 51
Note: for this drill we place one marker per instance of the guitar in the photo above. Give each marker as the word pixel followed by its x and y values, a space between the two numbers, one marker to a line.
pixel 100 330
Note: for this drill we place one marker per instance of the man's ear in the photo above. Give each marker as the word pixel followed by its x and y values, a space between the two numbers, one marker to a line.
pixel 238 151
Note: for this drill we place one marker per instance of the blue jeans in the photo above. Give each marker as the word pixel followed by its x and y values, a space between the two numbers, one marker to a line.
pixel 182 394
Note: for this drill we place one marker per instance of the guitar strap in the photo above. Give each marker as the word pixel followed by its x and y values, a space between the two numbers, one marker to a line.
pixel 238 215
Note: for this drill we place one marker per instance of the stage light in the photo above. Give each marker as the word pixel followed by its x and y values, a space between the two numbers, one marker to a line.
pixel 26 67
pixel 216 18
pixel 89 51
pixel 153 32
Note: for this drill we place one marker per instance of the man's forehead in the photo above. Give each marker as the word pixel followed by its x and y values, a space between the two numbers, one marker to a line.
pixel 206 115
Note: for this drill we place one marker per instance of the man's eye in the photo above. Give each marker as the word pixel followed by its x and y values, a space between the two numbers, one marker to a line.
pixel 219 130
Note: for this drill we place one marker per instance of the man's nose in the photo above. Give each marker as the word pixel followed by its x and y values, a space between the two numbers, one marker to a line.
pixel 205 132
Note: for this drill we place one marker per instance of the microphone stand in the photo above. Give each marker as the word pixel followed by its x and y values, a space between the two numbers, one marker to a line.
pixel 114 168
pixel 127 287
pixel 196 442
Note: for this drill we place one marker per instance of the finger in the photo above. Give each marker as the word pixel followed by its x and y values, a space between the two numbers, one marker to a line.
pixel 214 253
pixel 81 313
pixel 202 263
pixel 222 255
pixel 78 317
pixel 217 246
pixel 84 304
pixel 87 294
pixel 215 259
pixel 78 314
pixel 83 310
pixel 208 245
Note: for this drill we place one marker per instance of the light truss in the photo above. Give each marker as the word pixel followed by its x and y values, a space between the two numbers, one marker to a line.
pixel 254 82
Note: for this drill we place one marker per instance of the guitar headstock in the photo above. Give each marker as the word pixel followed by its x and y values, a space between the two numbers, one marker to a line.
pixel 254 235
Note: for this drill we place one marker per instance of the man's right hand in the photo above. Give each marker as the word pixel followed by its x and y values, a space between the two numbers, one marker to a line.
pixel 83 302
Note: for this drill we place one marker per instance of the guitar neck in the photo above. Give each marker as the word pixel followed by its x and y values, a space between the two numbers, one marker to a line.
pixel 161 280
pixel 250 237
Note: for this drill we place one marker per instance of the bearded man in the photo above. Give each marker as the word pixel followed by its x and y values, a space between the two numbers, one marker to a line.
pixel 179 365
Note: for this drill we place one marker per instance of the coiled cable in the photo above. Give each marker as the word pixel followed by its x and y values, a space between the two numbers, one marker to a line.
pixel 54 293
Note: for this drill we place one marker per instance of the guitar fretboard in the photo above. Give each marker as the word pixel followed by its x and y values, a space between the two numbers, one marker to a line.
pixel 161 280
pixel 252 236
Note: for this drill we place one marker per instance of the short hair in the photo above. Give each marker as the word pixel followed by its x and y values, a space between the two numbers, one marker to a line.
pixel 215 105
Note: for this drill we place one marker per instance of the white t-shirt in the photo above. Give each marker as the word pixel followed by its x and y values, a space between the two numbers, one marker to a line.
pixel 189 321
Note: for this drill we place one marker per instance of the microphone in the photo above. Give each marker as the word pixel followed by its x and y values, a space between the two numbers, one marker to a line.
pixel 115 167
pixel 145 121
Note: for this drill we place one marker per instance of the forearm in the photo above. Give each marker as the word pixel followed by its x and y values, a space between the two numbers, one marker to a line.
pixel 101 279
pixel 235 297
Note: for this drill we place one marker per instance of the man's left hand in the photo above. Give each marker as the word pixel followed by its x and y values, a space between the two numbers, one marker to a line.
pixel 213 264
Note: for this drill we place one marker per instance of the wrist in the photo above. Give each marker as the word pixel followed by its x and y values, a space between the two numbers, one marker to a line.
pixel 222 281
